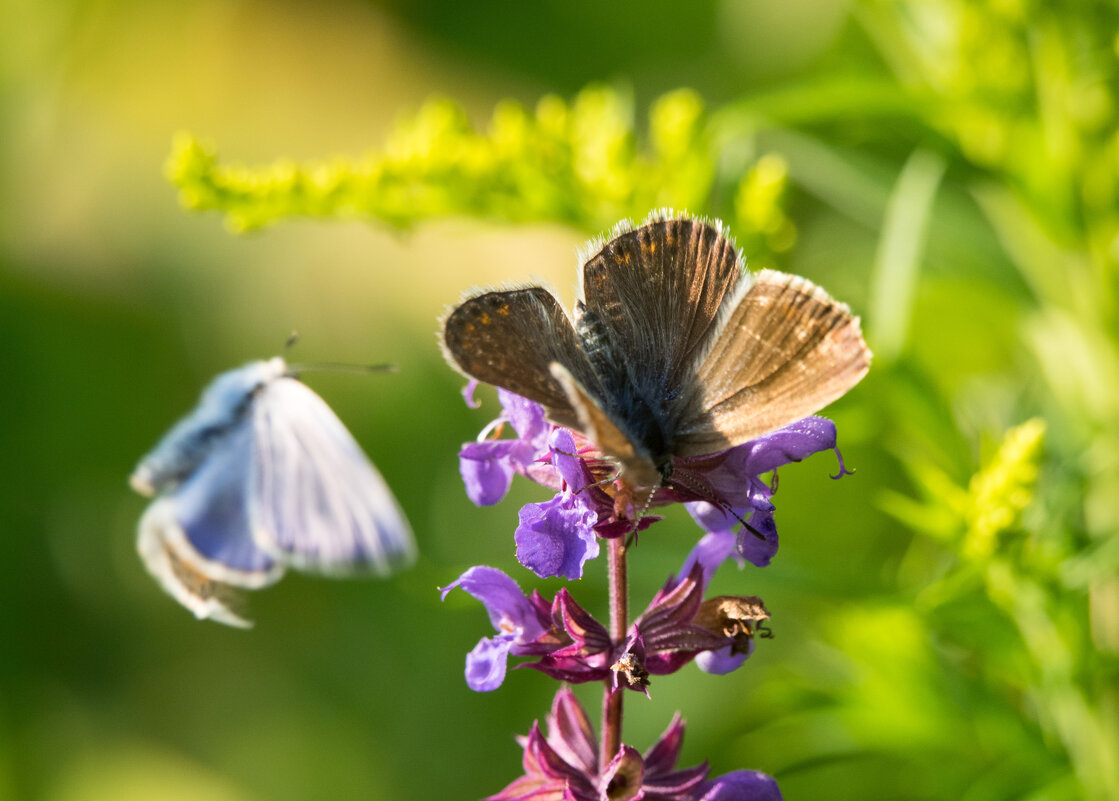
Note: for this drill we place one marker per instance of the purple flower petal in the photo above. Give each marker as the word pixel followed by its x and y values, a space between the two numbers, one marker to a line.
pixel 709 553
pixel 567 463
pixel 556 537
pixel 758 551
pixel 487 469
pixel 468 393
pixel 723 661
pixel 742 785
pixel 749 494
pixel 792 443
pixel 509 610
pixel 485 665
pixel 488 465
pixel 526 417
pixel 741 493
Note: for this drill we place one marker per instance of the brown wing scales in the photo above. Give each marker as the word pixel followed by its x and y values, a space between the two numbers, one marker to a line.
pixel 785 352
pixel 510 338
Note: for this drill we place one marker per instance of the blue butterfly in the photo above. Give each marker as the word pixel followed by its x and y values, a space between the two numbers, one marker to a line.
pixel 259 477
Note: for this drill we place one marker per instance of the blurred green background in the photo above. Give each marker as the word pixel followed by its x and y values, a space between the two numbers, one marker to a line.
pixel 947 619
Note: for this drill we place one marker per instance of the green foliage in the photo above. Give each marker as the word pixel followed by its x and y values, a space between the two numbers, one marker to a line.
pixel 580 163
pixel 572 162
pixel 999 652
pixel 951 168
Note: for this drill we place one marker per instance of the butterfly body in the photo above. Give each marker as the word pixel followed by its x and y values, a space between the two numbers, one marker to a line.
pixel 674 351
pixel 224 404
pixel 259 477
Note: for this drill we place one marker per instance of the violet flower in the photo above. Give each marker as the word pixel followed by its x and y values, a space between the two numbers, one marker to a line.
pixel 556 537
pixel 570 645
pixel 487 465
pixel 734 479
pixel 565 766
pixel 518 619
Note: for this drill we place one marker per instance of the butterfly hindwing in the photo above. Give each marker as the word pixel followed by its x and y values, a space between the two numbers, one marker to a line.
pixel 196 539
pixel 316 502
pixel 180 578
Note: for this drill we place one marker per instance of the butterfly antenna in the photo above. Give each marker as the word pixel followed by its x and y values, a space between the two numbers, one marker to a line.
pixel 644 508
pixel 600 483
pixel 706 494
pixel 341 367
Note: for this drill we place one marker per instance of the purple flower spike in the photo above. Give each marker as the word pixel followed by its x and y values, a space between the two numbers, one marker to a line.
pixel 557 537
pixel 564 766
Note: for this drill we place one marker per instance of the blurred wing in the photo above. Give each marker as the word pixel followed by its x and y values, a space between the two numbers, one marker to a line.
pixel 316 502
pixel 190 441
pixel 510 339
pixel 207 598
pixel 654 295
pixel 196 540
pixel 786 351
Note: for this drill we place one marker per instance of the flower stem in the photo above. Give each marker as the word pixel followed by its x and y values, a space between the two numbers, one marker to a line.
pixel 619 611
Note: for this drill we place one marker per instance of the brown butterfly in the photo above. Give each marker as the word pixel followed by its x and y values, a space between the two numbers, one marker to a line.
pixel 675 349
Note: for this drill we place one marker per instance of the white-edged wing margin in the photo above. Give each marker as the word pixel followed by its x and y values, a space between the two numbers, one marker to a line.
pixel 316 502
pixel 196 541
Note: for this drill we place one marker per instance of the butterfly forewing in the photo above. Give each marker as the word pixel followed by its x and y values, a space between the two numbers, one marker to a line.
pixel 654 293
pixel 510 339
pixel 786 351
pixel 316 501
